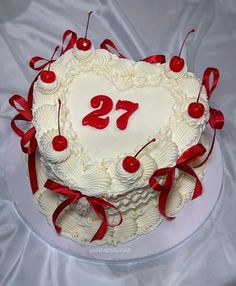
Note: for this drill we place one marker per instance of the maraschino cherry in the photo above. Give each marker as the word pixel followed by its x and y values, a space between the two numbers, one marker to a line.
pixel 48 76
pixel 177 63
pixel 84 44
pixel 59 142
pixel 131 164
pixel 196 109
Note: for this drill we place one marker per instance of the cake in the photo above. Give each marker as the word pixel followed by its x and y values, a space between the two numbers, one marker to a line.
pixel 115 146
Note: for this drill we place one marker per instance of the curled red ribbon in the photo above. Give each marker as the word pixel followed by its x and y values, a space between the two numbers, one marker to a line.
pixel 28 140
pixel 216 119
pixel 207 77
pixel 30 92
pixel 190 155
pixel 97 204
pixel 25 114
pixel 107 44
pixel 71 37
pixel 154 59
pixel 45 63
pixel 68 35
pixel 25 111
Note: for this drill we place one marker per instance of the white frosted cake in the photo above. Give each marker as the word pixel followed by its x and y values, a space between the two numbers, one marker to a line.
pixel 113 142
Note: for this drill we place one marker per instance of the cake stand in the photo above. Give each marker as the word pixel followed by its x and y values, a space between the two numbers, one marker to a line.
pixel 144 247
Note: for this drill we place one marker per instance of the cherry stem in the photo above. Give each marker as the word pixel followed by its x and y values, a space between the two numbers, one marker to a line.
pixel 200 91
pixel 58 116
pixel 86 31
pixel 50 61
pixel 153 140
pixel 185 41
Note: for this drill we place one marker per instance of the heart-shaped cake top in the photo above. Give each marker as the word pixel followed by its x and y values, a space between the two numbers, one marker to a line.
pixel 110 108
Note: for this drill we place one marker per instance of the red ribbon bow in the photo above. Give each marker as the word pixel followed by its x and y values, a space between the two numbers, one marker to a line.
pixel 216 119
pixel 72 36
pixel 96 204
pixel 107 44
pixel 190 155
pixel 28 140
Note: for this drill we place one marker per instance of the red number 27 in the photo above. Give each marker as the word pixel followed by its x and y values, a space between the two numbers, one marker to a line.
pixel 104 105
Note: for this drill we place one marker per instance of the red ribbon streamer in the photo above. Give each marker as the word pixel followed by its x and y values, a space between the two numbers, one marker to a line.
pixel 155 59
pixel 107 43
pixel 190 155
pixel 32 172
pixel 35 60
pixel 206 80
pixel 96 204
pixel 25 111
pixel 216 119
pixel 28 140
pixel 30 92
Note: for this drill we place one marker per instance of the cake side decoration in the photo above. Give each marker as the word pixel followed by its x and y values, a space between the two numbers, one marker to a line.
pixel 28 140
pixel 189 156
pixel 216 120
pixel 117 193
pixel 97 204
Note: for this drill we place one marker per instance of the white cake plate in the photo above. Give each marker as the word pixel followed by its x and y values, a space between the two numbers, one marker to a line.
pixel 187 221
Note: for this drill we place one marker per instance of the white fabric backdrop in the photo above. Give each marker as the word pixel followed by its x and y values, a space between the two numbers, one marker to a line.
pixel 140 28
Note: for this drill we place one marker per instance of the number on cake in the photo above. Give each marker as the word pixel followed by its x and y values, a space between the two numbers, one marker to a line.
pixel 130 108
pixel 105 105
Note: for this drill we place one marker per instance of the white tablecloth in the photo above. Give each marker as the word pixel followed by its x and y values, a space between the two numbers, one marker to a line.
pixel 140 28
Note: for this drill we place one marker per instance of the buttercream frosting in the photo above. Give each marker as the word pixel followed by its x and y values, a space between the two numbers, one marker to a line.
pixel 92 161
